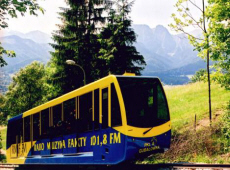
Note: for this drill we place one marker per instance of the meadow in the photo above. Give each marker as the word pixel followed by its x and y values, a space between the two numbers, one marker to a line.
pixel 189 100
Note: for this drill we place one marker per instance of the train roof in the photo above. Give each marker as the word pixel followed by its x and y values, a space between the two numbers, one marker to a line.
pixel 15 118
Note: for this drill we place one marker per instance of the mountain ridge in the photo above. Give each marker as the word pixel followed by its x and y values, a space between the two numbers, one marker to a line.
pixel 168 56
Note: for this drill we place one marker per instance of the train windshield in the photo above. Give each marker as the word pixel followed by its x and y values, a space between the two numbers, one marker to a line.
pixel 145 101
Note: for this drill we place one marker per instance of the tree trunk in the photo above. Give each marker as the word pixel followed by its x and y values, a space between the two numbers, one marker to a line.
pixel 209 89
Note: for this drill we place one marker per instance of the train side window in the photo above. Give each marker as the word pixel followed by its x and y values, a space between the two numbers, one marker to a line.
pixel 96 109
pixel 115 108
pixel 27 129
pixel 44 123
pixel 20 131
pixel 36 126
pixel 162 109
pixel 85 112
pixel 104 108
pixel 57 115
pixel 70 115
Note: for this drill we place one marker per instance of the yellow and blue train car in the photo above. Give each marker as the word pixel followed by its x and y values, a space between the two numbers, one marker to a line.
pixel 112 120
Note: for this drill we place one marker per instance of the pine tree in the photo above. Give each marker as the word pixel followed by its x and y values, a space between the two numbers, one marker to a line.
pixel 117 41
pixel 77 40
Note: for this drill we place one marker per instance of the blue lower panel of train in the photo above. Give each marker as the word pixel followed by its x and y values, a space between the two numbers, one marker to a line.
pixel 103 147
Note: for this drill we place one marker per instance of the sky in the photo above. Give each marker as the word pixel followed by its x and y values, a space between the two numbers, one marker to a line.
pixel 149 12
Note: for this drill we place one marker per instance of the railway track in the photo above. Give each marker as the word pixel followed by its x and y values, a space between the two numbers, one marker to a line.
pixel 171 166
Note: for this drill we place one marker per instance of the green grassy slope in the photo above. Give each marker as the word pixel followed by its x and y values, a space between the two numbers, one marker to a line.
pixel 187 100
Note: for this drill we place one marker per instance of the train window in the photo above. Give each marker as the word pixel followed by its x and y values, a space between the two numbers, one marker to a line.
pixel 141 101
pixel 70 115
pixel 104 108
pixel 20 130
pixel 36 126
pixel 44 123
pixel 85 112
pixel 11 136
pixel 96 109
pixel 27 129
pixel 57 115
pixel 162 109
pixel 115 108
pixel 15 132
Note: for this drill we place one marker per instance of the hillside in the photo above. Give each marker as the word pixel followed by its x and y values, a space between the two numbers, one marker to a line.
pixel 187 100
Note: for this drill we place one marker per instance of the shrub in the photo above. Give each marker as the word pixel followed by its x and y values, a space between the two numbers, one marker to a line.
pixel 226 129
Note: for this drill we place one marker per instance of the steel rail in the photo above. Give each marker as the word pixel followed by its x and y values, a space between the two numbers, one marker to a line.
pixel 125 166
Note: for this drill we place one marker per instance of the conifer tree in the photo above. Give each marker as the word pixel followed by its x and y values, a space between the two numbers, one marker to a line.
pixel 117 41
pixel 77 40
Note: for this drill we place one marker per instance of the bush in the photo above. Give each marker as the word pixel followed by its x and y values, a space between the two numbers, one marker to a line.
pixel 226 129
pixel 2 157
pixel 200 75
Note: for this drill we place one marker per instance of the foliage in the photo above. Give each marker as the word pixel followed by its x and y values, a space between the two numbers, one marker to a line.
pixel 27 90
pixel 3 136
pixel 117 40
pixel 77 40
pixel 7 53
pixel 219 26
pixel 226 128
pixel 2 157
pixel 11 8
pixel 3 115
pixel 185 19
pixel 199 76
pixel 99 47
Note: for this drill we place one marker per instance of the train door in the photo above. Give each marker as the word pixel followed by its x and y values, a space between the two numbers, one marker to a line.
pixel 85 123
pixel 70 126
pixel 35 134
pixel 116 139
pixel 57 132
pixel 105 122
pixel 26 136
pixel 44 143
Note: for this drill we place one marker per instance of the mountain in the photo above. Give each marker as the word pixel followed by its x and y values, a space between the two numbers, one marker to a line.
pixel 168 56
pixel 36 36
pixel 26 52
pixel 173 51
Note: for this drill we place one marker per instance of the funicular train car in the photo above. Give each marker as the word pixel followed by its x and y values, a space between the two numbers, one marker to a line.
pixel 112 120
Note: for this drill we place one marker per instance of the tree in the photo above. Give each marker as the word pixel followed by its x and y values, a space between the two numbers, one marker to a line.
pixel 2 157
pixel 186 19
pixel 27 90
pixel 3 113
pixel 199 76
pixel 77 40
pixel 117 40
pixel 219 15
pixel 11 8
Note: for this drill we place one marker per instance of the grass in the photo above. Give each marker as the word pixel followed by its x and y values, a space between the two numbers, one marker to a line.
pixel 3 135
pixel 189 100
